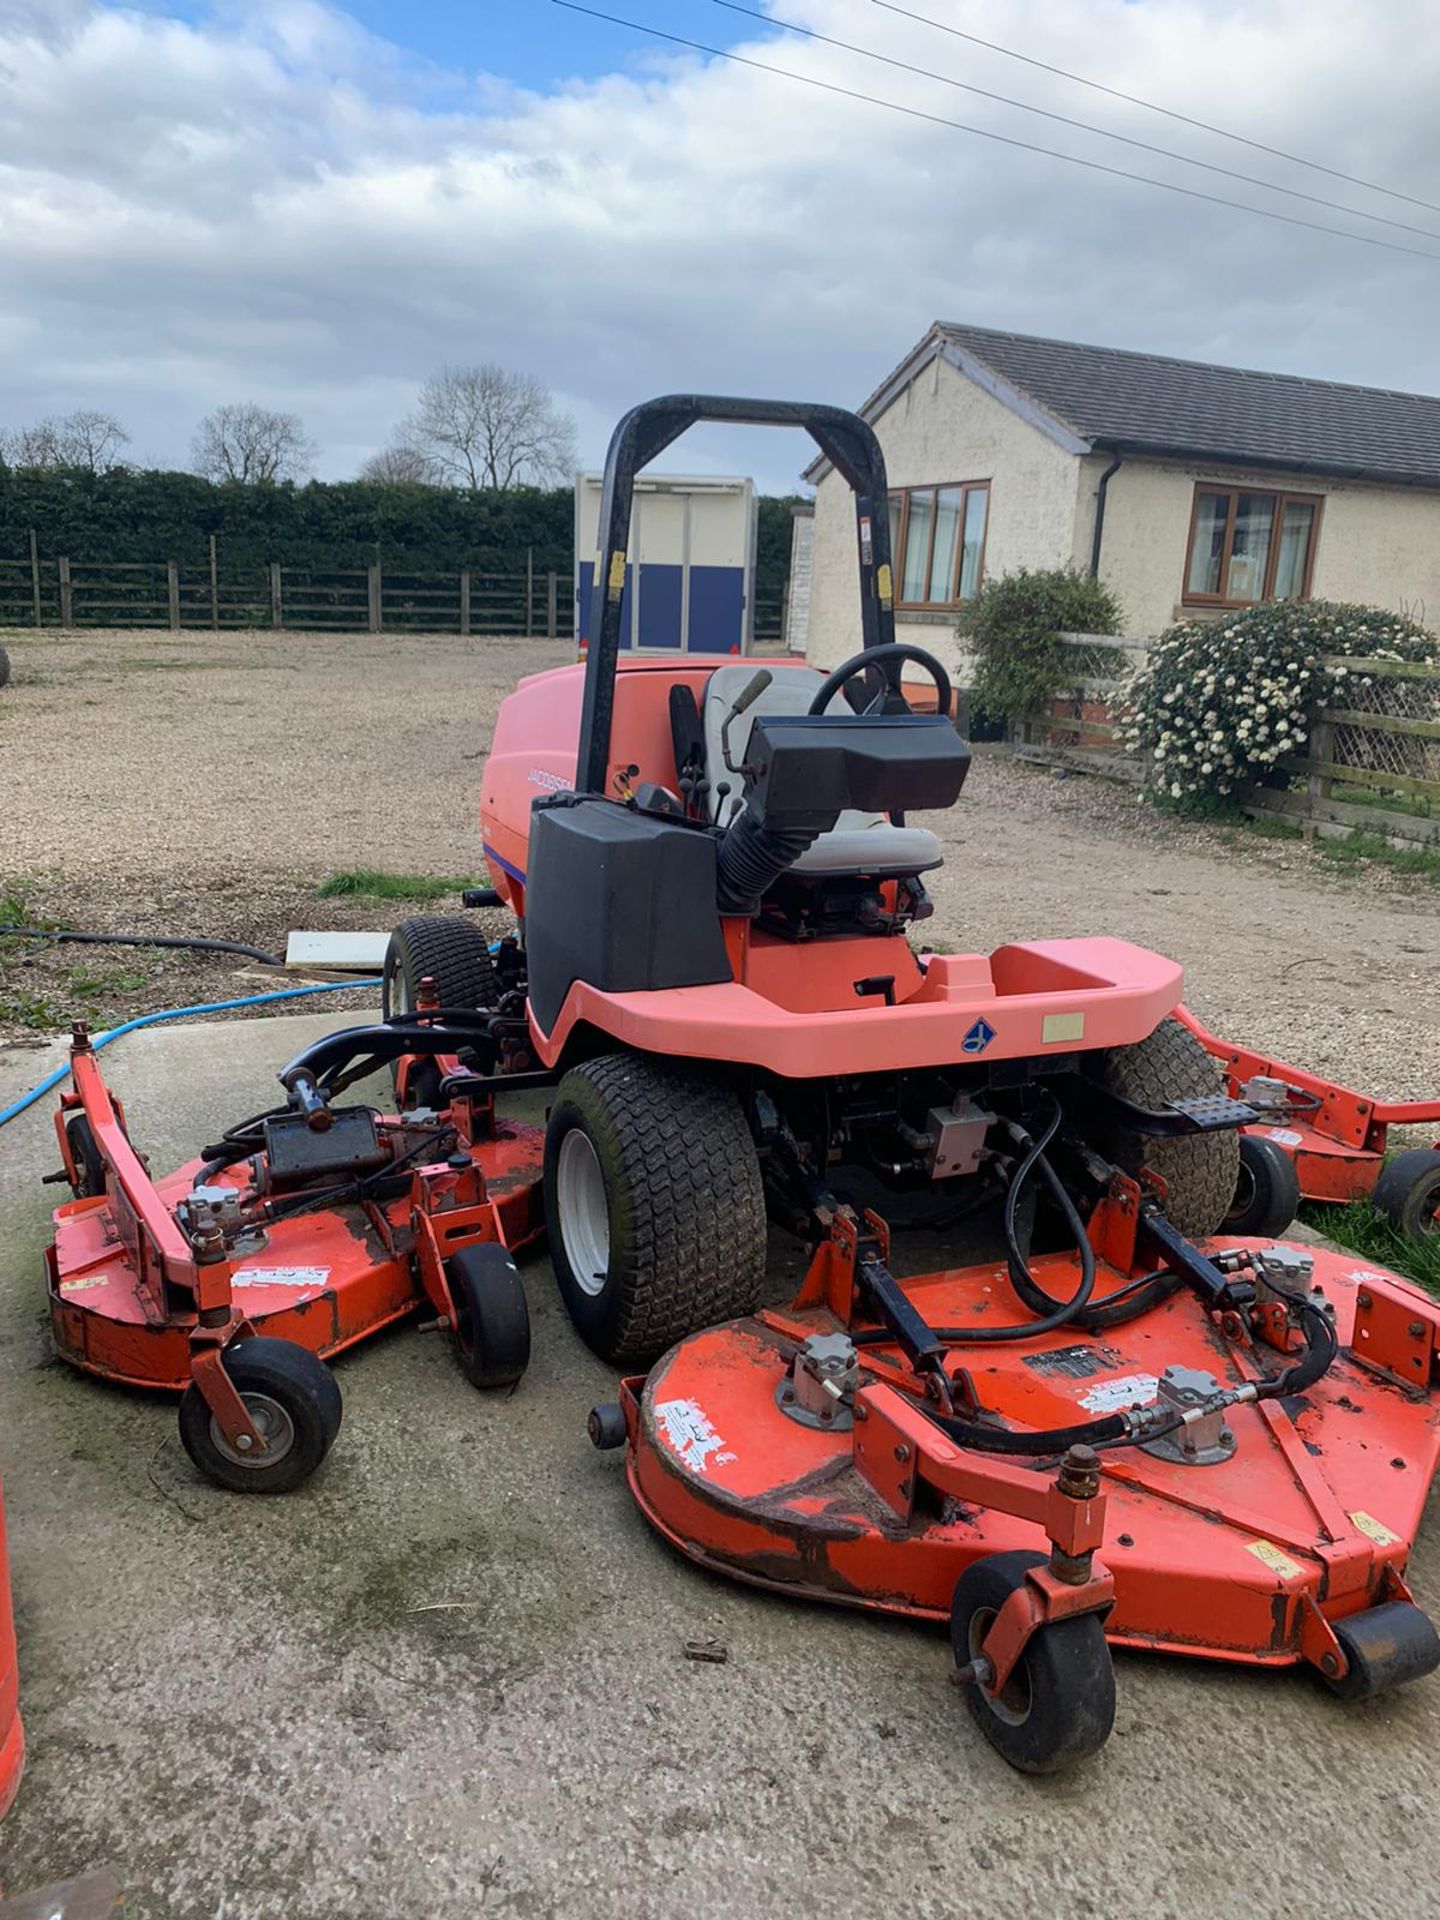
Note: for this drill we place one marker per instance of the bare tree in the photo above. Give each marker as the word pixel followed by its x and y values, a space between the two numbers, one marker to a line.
pixel 486 427
pixel 402 466
pixel 86 438
pixel 246 442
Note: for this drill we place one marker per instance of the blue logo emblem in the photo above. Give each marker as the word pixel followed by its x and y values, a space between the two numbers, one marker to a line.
pixel 979 1037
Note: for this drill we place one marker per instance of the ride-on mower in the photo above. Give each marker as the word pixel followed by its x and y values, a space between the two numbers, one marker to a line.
pixel 716 875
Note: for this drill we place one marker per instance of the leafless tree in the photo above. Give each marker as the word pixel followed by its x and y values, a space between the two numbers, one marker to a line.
pixel 85 438
pixel 486 427
pixel 402 466
pixel 246 442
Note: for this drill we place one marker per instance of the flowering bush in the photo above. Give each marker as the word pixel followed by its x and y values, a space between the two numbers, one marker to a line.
pixel 1011 627
pixel 1216 706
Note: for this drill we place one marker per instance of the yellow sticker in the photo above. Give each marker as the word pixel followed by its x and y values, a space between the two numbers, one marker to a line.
pixel 1373 1529
pixel 1282 1564
pixel 1063 1026
pixel 884 584
pixel 617 574
pixel 85 1281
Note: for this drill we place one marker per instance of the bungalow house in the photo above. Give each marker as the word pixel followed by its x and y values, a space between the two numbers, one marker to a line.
pixel 1190 489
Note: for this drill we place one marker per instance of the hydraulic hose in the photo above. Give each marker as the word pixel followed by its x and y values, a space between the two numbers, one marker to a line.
pixel 52 1080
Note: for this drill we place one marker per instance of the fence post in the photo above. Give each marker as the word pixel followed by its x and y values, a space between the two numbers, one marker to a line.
pixel 67 598
pixel 277 607
pixel 35 579
pixel 373 585
pixel 214 587
pixel 1318 786
pixel 551 605
pixel 172 593
pixel 464 600
pixel 529 589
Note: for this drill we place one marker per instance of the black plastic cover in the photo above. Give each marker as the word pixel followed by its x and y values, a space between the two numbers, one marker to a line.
pixel 803 770
pixel 624 901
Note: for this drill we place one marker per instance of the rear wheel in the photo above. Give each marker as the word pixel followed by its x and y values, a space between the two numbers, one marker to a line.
pixel 1267 1190
pixel 291 1396
pixel 492 1321
pixel 1200 1170
pixel 1058 1704
pixel 455 954
pixel 1408 1191
pixel 653 1203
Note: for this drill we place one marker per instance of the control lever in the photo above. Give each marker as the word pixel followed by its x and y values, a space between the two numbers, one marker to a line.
pixel 306 1098
pixel 749 694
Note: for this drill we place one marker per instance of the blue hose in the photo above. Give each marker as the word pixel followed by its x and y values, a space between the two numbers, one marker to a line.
pixel 173 1013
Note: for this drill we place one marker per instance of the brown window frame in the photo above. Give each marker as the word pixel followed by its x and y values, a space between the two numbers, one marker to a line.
pixel 1209 489
pixel 902 494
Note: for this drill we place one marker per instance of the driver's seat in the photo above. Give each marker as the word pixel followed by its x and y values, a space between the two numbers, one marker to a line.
pixel 858 843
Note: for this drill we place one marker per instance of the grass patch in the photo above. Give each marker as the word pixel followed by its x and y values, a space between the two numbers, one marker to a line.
pixel 1365 844
pixel 370 883
pixel 1364 1230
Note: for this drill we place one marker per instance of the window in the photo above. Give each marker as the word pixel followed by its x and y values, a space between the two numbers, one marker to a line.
pixel 1248 546
pixel 937 538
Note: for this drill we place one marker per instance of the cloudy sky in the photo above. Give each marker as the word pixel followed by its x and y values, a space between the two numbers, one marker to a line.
pixel 311 206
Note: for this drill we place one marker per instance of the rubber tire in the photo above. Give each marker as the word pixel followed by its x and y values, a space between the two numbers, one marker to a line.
pixel 684 1203
pixel 302 1384
pixel 1200 1170
pixel 86 1155
pixel 455 954
pixel 1267 1192
pixel 606 1426
pixel 1408 1191
pixel 492 1321
pixel 1387 1646
pixel 1067 1667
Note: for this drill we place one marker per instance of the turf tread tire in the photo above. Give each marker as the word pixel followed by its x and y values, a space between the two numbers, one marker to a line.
pixel 1200 1170
pixel 685 1202
pixel 453 952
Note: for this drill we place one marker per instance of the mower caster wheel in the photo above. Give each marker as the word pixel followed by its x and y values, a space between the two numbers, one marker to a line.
pixel 492 1321
pixel 606 1426
pixel 1059 1703
pixel 1408 1191
pixel 85 1152
pixel 1267 1194
pixel 291 1396
pixel 1386 1646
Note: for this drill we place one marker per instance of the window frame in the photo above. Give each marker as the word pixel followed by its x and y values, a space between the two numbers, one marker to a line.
pixel 1231 492
pixel 897 559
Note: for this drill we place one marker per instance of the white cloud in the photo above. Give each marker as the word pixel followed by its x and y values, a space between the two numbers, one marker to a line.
pixel 276 206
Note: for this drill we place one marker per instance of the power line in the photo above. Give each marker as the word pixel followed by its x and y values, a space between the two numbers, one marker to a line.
pixel 1151 106
pixel 1084 126
pixel 985 133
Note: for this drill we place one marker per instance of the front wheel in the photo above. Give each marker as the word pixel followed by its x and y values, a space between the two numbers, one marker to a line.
pixel 291 1396
pixel 1058 1704
pixel 492 1320
pixel 654 1205
pixel 1408 1191
pixel 1267 1193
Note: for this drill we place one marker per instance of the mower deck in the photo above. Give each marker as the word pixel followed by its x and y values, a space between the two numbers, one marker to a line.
pixel 1308 1522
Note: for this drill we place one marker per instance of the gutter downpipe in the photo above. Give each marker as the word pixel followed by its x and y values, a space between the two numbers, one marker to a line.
pixel 1116 463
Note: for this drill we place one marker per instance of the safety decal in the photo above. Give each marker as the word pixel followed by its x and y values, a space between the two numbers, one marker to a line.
pixel 85 1280
pixel 1285 1136
pixel 1131 1390
pixel 979 1037
pixel 280 1277
pixel 689 1434
pixel 1074 1363
pixel 1373 1529
pixel 1277 1561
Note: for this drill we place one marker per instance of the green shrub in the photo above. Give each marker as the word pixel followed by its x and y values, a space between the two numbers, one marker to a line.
pixel 1011 626
pixel 1217 706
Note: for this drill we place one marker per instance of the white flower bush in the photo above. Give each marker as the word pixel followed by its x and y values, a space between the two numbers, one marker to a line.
pixel 1216 706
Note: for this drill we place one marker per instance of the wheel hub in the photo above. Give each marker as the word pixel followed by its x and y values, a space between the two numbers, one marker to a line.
pixel 584 1212
pixel 274 1425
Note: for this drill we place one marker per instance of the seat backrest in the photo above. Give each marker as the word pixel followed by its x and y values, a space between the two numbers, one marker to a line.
pixel 790 691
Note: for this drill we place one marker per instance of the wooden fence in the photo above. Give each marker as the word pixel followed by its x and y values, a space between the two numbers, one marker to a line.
pixel 1373 763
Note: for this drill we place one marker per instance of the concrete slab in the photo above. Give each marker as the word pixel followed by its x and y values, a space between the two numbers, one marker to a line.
pixel 256 1708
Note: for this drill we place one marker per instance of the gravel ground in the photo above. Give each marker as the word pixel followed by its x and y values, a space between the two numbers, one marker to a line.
pixel 173 781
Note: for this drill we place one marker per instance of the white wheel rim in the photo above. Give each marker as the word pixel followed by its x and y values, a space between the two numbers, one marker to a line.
pixel 584 1212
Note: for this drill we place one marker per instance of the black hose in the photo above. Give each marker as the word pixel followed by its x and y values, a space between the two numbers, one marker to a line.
pixel 1090 1433
pixel 1318 1357
pixel 145 940
pixel 752 856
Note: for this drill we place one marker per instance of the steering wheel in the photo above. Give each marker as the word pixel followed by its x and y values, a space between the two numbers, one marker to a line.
pixel 890 698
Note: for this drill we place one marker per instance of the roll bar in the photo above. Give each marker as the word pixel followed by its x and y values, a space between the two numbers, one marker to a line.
pixel 644 432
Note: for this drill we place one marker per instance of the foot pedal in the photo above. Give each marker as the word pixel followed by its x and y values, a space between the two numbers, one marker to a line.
pixel 1212 1112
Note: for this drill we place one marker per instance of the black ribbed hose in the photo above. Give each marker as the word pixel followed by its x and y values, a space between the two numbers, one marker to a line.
pixel 752 857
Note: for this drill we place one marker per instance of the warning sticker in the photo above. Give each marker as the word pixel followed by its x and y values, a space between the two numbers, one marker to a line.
pixel 1373 1529
pixel 1285 1136
pixel 280 1277
pixel 689 1434
pixel 1131 1390
pixel 1279 1562
pixel 1074 1363
pixel 85 1281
